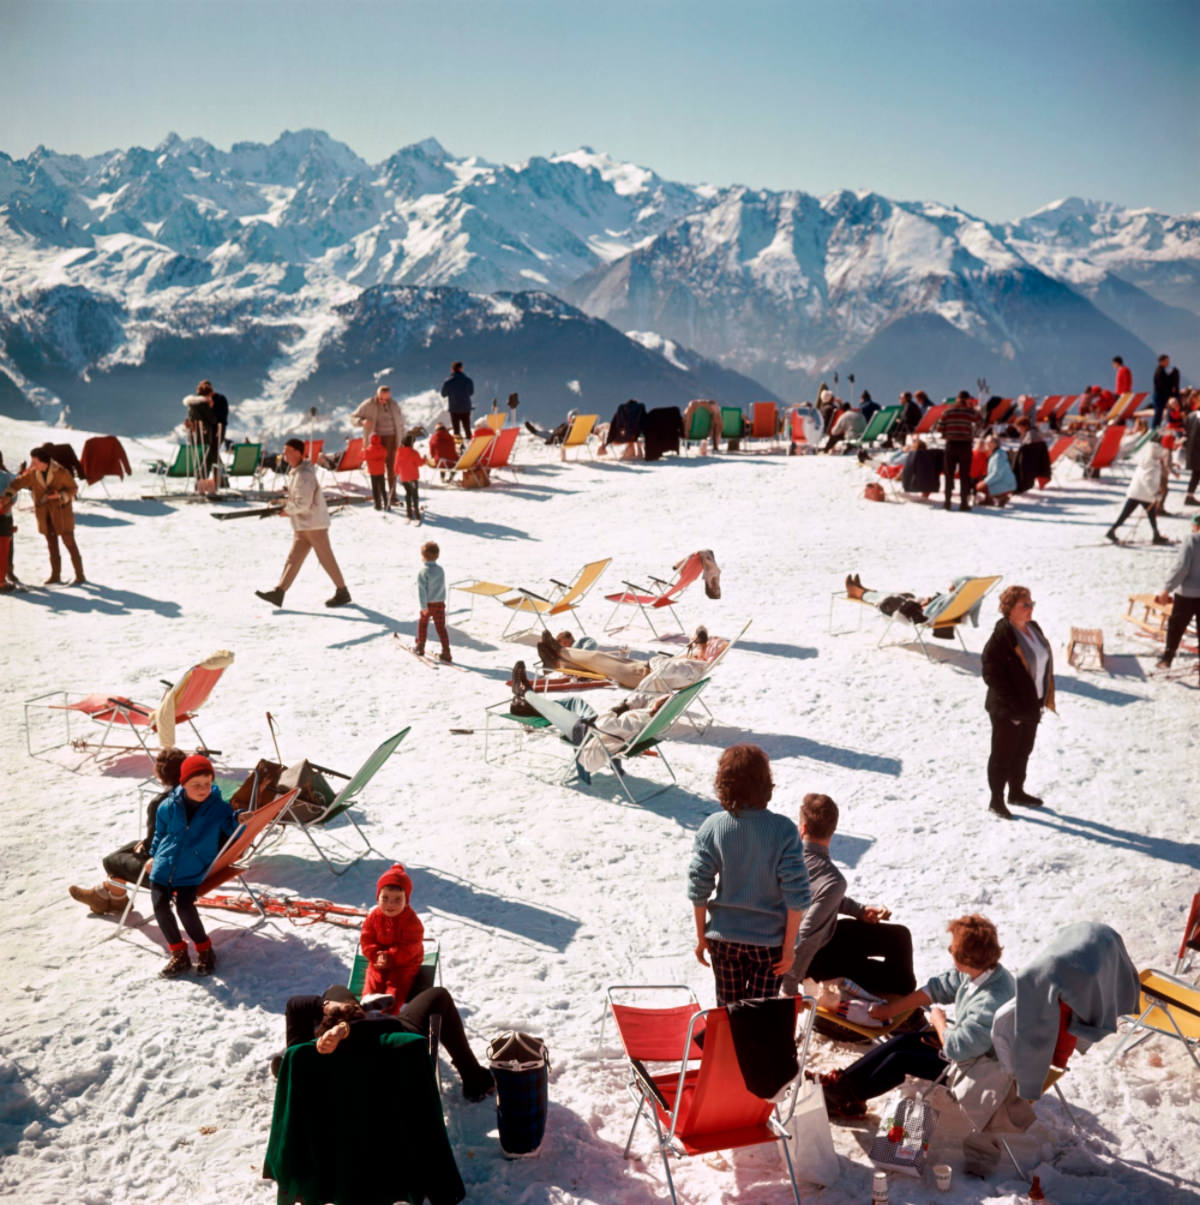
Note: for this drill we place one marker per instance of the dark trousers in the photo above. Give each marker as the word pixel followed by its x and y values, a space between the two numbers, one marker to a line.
pixel 460 423
pixel 379 491
pixel 412 504
pixel 956 456
pixel 1183 611
pixel 302 1016
pixel 1131 504
pixel 1012 743
pixel 744 972
pixel 437 612
pixel 123 863
pixel 1193 481
pixel 389 443
pixel 1160 404
pixel 884 1067
pixel 878 957
pixel 185 905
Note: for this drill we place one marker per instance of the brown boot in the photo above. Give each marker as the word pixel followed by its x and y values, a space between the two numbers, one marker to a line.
pixel 206 960
pixel 177 964
pixel 96 898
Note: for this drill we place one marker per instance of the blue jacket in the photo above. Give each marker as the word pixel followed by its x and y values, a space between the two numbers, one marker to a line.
pixel 182 852
pixel 1000 478
pixel 975 1007
pixel 431 584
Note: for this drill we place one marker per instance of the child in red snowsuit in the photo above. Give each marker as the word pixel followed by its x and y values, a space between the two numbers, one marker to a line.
pixel 443 451
pixel 376 457
pixel 392 938
pixel 408 469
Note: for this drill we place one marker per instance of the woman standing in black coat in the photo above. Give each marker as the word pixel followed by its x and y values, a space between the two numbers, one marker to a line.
pixel 1018 668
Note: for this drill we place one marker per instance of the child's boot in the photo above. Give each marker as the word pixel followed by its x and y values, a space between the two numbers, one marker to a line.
pixel 206 960
pixel 444 656
pixel 178 963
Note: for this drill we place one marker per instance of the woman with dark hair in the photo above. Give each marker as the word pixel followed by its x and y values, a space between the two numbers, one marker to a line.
pixel 1018 668
pixel 977 987
pixel 754 859
pixel 124 865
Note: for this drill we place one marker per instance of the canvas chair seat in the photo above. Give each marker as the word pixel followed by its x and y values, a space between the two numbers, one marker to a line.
pixel 563 600
pixel 1169 1006
pixel 578 434
pixel 661 598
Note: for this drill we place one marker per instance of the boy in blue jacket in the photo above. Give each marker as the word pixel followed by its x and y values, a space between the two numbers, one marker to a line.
pixel 191 827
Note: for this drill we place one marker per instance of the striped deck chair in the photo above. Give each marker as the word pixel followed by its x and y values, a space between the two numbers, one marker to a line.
pixel 1068 405
pixel 564 600
pixel 1003 411
pixel 1048 406
pixel 1058 447
pixel 1126 407
pixel 118 714
pixel 661 598
pixel 1169 1006
pixel 578 434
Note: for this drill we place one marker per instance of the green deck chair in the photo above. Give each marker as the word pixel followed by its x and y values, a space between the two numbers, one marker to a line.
pixel 732 421
pixel 186 464
pixel 344 800
pixel 245 461
pixel 881 423
pixel 699 428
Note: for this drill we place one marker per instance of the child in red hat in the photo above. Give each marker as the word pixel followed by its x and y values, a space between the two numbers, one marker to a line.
pixel 392 938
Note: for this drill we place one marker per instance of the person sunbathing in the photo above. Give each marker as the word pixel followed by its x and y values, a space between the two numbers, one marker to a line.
pixel 661 674
pixel 915 610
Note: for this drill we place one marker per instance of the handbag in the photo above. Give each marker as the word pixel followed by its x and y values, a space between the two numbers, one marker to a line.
pixel 811 1143
pixel 902 1141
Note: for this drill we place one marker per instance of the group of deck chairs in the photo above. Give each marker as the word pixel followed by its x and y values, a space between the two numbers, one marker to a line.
pixel 116 718
pixel 696 1073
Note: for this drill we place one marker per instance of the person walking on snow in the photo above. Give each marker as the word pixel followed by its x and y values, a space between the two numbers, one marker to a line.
pixel 305 506
pixel 458 389
pixel 1149 475
pixel 1185 604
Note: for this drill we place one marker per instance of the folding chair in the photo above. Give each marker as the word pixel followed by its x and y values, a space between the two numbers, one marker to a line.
pixel 1048 406
pixel 494 421
pixel 1058 448
pixel 232 862
pixel 312 449
pixel 1002 411
pixel 881 423
pixel 470 458
pixel 1191 937
pixel 178 705
pixel 578 434
pixel 700 427
pixel 701 1103
pixel 344 800
pixel 929 420
pixel 764 423
pixel 564 600
pixel 646 742
pixel 498 454
pixel 732 423
pixel 188 463
pixel 1125 407
pixel 481 589
pixel 1171 1007
pixel 662 598
pixel 1105 451
pixel 801 421
pixel 245 462
pixel 1068 405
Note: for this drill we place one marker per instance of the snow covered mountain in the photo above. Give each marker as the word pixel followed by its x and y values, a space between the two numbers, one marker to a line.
pixel 127 276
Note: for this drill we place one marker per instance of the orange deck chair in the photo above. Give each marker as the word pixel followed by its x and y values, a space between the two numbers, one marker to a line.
pixel 498 454
pixel 1105 451
pixel 117 713
pixel 764 422
pixel 929 420
pixel 661 598
pixel 700 1103
pixel 1191 937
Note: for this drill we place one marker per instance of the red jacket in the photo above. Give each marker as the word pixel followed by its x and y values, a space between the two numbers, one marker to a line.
pixel 408 463
pixel 401 939
pixel 442 448
pixel 1124 380
pixel 376 457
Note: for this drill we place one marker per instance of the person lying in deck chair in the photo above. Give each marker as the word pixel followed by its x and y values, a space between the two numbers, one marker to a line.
pixel 662 673
pixel 915 610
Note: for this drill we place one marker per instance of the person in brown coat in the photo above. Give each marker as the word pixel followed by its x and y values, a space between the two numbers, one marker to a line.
pixel 53 490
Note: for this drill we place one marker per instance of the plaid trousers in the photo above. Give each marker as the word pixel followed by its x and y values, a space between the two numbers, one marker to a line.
pixel 744 972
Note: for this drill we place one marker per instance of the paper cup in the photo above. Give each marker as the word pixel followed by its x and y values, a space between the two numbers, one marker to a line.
pixel 941 1173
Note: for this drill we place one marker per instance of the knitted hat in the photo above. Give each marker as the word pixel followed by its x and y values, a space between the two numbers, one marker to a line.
pixel 196 764
pixel 395 876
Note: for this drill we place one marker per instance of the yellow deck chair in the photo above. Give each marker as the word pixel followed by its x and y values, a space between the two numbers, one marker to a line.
pixel 564 600
pixel 579 433
pixel 971 592
pixel 480 589
pixel 1169 1006
pixel 471 455
pixel 497 420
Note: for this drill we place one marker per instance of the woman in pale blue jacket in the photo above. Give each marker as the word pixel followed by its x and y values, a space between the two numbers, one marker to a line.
pixel 977 987
pixel 1001 481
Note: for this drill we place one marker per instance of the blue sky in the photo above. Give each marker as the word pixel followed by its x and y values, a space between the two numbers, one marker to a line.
pixel 998 106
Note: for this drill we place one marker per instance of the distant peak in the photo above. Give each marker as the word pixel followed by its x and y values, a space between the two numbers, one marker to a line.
pixel 431 148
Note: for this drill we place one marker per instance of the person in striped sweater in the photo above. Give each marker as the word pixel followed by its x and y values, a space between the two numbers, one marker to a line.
pixel 747 882
pixel 957 427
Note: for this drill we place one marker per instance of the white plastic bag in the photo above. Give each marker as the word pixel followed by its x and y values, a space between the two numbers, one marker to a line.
pixel 811 1143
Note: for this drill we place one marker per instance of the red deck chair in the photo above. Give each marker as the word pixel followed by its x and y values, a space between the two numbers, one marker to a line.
pixel 1125 408
pixel 178 705
pixel 312 449
pixel 1048 406
pixel 1065 406
pixel 663 599
pixel 702 1103
pixel 1028 406
pixel 1191 937
pixel 1003 410
pixel 232 862
pixel 929 420
pixel 764 421
pixel 498 454
pixel 1105 451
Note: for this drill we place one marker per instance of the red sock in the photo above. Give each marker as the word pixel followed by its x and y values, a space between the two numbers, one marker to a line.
pixel 177 947
pixel 202 946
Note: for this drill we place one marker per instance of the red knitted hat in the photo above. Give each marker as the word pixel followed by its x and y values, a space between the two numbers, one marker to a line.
pixel 196 764
pixel 395 876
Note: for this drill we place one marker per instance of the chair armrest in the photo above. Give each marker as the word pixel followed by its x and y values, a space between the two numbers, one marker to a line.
pixel 635 587
pixel 561 585
pixel 531 594
pixel 643 1076
pixel 128 705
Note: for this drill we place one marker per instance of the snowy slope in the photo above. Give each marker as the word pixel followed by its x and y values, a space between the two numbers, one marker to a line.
pixel 120 1088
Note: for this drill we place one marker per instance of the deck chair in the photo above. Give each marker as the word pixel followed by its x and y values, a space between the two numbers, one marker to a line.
pixel 477 588
pixel 700 1103
pixel 1048 406
pixel 312 449
pixel 732 423
pixel 700 428
pixel 764 423
pixel 470 457
pixel 578 434
pixel 188 463
pixel 1170 1006
pixel 971 592
pixel 245 462
pixel 1125 407
pixel 428 976
pixel 881 423
pixel 661 598
pixel 342 803
pixel 564 600
pixel 643 743
pixel 1003 411
pixel 1068 405
pixel 1191 937
pixel 1058 447
pixel 929 420
pixel 232 862
pixel 1105 451
pixel 494 421
pixel 179 705
pixel 498 454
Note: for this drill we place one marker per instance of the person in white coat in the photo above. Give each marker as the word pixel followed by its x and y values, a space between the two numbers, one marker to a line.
pixel 1148 476
pixel 305 506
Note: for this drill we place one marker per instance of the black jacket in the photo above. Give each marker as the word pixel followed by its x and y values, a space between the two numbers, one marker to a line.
pixel 458 389
pixel 1166 382
pixel 1011 694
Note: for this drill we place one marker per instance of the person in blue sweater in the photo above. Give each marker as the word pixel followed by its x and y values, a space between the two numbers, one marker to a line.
pixel 977 987
pixel 191 827
pixel 431 591
pixel 747 882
